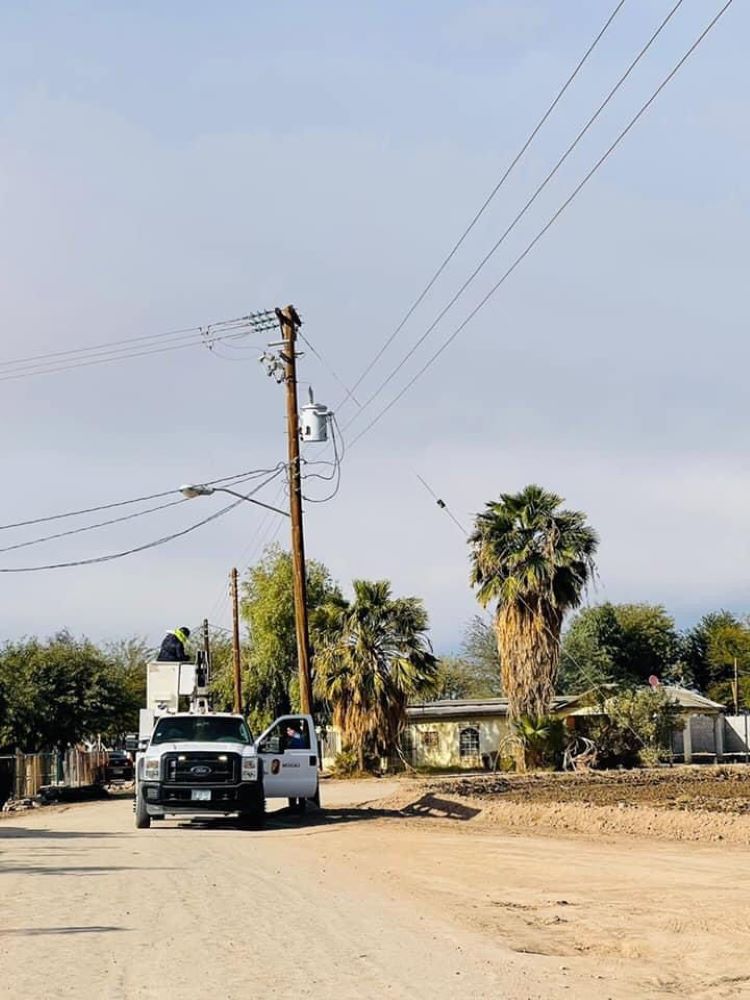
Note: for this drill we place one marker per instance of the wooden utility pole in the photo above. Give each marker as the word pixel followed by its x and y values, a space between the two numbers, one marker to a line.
pixel 236 641
pixel 736 689
pixel 290 321
pixel 207 648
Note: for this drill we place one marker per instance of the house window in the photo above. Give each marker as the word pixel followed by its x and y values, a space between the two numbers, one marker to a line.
pixel 430 739
pixel 468 742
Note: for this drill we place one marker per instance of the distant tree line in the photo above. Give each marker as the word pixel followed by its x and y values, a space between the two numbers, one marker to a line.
pixel 372 654
pixel 625 644
pixel 56 692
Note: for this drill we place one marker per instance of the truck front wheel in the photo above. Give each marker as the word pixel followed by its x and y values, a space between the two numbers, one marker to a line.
pixel 254 817
pixel 142 818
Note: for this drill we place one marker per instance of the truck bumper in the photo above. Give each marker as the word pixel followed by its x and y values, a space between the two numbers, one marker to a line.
pixel 224 800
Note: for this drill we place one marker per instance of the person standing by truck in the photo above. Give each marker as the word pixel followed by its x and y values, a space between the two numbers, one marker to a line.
pixel 174 645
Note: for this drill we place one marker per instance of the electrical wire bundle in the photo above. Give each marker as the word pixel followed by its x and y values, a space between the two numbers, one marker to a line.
pixel 227 332
pixel 398 368
pixel 266 476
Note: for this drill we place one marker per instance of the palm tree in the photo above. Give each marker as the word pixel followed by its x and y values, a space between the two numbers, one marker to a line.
pixel 534 561
pixel 371 657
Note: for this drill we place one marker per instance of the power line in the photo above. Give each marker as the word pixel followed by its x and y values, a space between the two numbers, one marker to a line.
pixel 331 371
pixel 221 603
pixel 140 548
pixel 91 527
pixel 488 200
pixel 236 478
pixel 509 229
pixel 114 520
pixel 123 354
pixel 545 228
pixel 126 552
pixel 110 345
pixel 259 322
pixel 441 504
pixel 337 460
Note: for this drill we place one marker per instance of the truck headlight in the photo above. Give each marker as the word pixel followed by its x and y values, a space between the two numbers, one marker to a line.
pixel 249 768
pixel 151 769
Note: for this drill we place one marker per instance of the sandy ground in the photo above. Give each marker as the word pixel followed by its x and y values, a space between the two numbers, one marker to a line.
pixel 362 902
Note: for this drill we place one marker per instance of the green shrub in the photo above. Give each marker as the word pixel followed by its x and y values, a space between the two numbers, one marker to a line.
pixel 346 764
pixel 636 728
pixel 541 741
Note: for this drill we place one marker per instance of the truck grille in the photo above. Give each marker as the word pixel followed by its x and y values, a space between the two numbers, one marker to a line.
pixel 201 768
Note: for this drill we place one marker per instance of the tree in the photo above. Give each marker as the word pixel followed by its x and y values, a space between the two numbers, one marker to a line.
pixel 372 658
pixel 635 727
pixel 59 691
pixel 621 644
pixel 729 657
pixel 222 674
pixel 267 608
pixel 479 649
pixel 587 656
pixel 533 561
pixel 128 658
pixel 709 649
pixel 459 678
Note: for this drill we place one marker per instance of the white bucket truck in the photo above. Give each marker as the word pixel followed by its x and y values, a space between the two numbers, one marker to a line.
pixel 199 763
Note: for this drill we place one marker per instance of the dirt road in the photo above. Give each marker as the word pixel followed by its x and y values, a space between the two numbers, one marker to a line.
pixel 354 903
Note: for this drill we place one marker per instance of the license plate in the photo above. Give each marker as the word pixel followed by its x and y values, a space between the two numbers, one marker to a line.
pixel 200 794
pixel 118 770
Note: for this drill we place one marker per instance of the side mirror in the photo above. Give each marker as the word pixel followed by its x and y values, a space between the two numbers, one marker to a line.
pixel 142 746
pixel 272 744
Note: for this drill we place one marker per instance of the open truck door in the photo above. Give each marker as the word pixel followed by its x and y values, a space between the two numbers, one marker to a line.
pixel 289 752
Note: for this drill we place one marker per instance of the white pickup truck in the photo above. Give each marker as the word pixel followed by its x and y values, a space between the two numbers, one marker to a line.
pixel 208 764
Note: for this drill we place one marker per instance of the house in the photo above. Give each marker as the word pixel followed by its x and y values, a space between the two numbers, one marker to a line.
pixel 468 734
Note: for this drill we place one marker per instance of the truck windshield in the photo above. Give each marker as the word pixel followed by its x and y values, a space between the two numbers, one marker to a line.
pixel 201 729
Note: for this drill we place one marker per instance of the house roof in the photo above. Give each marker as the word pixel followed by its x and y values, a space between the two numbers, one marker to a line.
pixel 478 707
pixel 474 707
pixel 691 699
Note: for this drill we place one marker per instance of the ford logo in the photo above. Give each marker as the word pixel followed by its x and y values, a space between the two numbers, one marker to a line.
pixel 200 770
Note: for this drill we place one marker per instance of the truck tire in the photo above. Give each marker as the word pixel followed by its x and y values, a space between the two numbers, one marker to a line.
pixel 255 817
pixel 297 806
pixel 142 818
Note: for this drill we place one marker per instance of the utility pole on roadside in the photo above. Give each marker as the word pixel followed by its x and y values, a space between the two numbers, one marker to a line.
pixel 736 689
pixel 290 322
pixel 236 641
pixel 206 642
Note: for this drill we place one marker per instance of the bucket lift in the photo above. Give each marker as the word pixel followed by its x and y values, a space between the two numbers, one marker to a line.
pixel 166 683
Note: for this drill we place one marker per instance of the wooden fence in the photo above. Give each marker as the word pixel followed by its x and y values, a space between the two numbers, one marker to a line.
pixel 23 775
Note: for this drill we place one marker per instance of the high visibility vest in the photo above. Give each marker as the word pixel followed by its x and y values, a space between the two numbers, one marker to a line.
pixel 179 634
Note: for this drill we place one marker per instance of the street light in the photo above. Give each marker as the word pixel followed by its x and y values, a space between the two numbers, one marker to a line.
pixel 192 490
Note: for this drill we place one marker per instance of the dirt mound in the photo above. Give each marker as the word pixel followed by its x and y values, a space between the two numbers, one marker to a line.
pixel 713 789
pixel 685 804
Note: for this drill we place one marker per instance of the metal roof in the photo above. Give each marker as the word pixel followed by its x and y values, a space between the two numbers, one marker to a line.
pixel 459 708
pixel 477 707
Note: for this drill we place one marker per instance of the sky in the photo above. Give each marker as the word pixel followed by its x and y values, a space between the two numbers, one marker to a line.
pixel 171 165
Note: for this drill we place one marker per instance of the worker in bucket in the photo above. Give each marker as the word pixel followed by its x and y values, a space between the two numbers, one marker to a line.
pixel 174 645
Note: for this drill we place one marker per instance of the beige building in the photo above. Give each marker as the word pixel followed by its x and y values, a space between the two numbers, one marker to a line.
pixel 468 734
pixel 449 734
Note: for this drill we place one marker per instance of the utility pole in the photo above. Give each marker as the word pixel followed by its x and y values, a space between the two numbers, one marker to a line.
pixel 206 645
pixel 290 322
pixel 736 689
pixel 236 642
